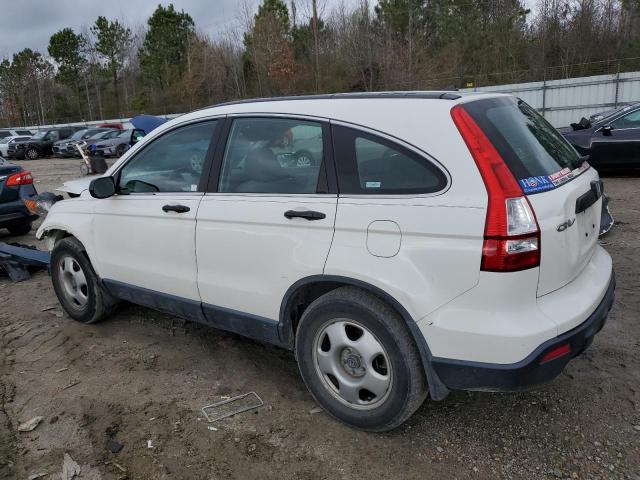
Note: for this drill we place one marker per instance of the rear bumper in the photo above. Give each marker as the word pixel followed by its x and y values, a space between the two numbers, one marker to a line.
pixel 15 213
pixel 463 375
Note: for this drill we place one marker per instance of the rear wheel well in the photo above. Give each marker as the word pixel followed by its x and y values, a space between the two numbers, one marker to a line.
pixel 301 299
pixel 302 296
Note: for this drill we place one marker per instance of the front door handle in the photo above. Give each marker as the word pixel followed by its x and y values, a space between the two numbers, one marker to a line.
pixel 308 214
pixel 176 208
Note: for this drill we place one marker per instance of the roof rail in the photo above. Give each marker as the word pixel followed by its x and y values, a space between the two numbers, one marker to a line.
pixel 443 95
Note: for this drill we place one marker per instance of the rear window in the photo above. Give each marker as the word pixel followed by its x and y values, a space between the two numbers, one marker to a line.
pixel 536 153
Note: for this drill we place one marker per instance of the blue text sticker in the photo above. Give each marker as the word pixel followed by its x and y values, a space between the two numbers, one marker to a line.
pixel 536 184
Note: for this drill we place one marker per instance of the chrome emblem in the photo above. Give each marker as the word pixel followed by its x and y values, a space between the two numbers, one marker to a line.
pixel 564 225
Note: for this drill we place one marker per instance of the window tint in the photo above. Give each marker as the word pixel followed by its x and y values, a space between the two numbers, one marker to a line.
pixel 272 155
pixel 631 120
pixel 368 164
pixel 529 145
pixel 23 132
pixel 170 163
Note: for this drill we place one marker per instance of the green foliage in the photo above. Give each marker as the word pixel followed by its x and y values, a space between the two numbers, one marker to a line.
pixel 112 42
pixel 275 8
pixel 65 48
pixel 164 50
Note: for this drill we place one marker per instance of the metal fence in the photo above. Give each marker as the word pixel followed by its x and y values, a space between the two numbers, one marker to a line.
pixel 567 100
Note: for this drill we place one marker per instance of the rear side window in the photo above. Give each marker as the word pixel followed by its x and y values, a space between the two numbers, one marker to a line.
pixel 272 155
pixel 536 153
pixel 23 132
pixel 368 164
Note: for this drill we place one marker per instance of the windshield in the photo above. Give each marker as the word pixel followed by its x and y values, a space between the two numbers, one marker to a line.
pixel 612 113
pixel 125 134
pixel 5 139
pixel 78 135
pixel 39 134
pixel 535 152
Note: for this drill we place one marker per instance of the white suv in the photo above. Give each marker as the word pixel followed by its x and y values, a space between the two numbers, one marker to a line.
pixel 439 242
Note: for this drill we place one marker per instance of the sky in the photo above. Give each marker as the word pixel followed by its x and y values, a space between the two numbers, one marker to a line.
pixel 30 23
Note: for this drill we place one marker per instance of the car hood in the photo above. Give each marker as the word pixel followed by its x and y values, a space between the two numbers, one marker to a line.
pixel 77 186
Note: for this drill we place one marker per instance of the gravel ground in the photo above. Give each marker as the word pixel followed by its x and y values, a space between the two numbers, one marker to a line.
pixel 143 377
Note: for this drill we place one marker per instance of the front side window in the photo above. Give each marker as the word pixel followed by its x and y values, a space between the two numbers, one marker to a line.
pixel 368 164
pixel 170 163
pixel 272 155
pixel 630 120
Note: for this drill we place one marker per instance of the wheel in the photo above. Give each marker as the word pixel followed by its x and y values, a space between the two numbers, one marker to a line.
pixel 304 159
pixel 76 284
pixel 120 149
pixel 21 229
pixel 32 154
pixel 84 169
pixel 359 361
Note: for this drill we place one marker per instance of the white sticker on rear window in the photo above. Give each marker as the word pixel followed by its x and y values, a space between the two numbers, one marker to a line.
pixel 373 184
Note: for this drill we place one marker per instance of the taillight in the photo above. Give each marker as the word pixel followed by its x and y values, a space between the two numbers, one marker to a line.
pixel 22 178
pixel 511 232
pixel 557 352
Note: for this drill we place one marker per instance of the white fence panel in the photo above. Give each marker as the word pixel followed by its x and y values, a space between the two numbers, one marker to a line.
pixel 567 100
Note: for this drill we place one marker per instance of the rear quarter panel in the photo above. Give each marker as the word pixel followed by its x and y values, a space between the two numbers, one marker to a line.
pixel 441 234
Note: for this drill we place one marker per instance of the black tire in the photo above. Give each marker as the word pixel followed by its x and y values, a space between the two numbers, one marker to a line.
pixel 99 304
pixel 32 153
pixel 408 387
pixel 21 229
pixel 120 149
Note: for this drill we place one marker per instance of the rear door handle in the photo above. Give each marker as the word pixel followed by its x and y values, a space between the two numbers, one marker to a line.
pixel 308 214
pixel 176 208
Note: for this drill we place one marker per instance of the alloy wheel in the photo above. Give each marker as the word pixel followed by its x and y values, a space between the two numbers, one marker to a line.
pixel 352 363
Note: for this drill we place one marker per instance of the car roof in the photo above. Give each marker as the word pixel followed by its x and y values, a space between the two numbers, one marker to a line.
pixel 339 106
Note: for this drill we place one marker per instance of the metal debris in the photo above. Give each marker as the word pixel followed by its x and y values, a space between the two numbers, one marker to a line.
pixel 69 468
pixel 606 220
pixel 232 406
pixel 30 425
pixel 16 259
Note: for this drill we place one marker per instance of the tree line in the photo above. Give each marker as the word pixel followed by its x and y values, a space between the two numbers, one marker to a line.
pixel 112 70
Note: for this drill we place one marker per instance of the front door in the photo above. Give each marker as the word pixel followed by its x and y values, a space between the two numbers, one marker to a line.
pixel 145 234
pixel 269 224
pixel 619 144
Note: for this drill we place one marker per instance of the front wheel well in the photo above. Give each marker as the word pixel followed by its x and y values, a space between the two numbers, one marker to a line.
pixel 53 236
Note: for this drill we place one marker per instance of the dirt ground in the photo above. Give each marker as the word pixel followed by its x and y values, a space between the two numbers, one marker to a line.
pixel 143 377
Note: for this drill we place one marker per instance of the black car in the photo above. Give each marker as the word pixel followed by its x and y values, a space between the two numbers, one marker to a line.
pixel 16 184
pixel 41 144
pixel 613 142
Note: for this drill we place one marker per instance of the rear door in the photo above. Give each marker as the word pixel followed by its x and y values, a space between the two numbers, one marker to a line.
pixel 268 219
pixel 563 190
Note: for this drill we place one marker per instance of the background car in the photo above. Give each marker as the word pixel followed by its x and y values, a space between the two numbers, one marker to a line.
pixel 117 145
pixel 5 132
pixel 612 142
pixel 15 184
pixel 67 146
pixel 4 142
pixel 41 144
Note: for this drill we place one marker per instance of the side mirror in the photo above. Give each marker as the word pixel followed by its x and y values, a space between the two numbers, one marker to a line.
pixel 102 187
pixel 606 130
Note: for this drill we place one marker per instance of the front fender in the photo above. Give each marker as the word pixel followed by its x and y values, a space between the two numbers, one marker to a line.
pixel 73 217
